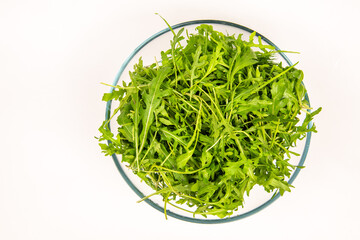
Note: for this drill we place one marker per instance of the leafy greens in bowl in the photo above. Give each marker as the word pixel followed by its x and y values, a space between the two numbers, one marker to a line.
pixel 207 128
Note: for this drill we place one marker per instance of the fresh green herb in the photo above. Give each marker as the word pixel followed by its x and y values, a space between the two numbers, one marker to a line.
pixel 210 121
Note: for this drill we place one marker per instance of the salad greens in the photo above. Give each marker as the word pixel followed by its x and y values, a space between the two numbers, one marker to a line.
pixel 215 117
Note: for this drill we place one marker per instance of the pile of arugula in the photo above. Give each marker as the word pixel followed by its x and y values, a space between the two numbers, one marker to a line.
pixel 209 122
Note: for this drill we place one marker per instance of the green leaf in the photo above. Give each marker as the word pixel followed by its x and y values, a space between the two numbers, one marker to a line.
pixel 233 169
pixel 165 121
pixel 206 159
pixel 279 184
pixel 152 102
pixel 113 95
pixel 184 158
pixel 172 135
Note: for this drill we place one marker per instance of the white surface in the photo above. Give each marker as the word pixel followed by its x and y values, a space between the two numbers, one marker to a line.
pixel 55 183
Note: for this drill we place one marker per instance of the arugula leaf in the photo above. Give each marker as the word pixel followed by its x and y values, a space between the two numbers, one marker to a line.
pixel 152 101
pixel 184 158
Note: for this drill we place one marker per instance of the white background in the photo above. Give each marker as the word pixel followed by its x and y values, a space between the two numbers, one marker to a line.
pixel 55 183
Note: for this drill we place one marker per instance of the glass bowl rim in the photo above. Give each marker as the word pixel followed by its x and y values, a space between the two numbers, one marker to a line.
pixel 149 201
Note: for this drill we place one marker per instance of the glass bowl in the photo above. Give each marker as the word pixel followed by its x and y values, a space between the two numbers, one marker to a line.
pixel 152 47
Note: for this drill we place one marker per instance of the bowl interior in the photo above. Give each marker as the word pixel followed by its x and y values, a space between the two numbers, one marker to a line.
pixel 149 51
